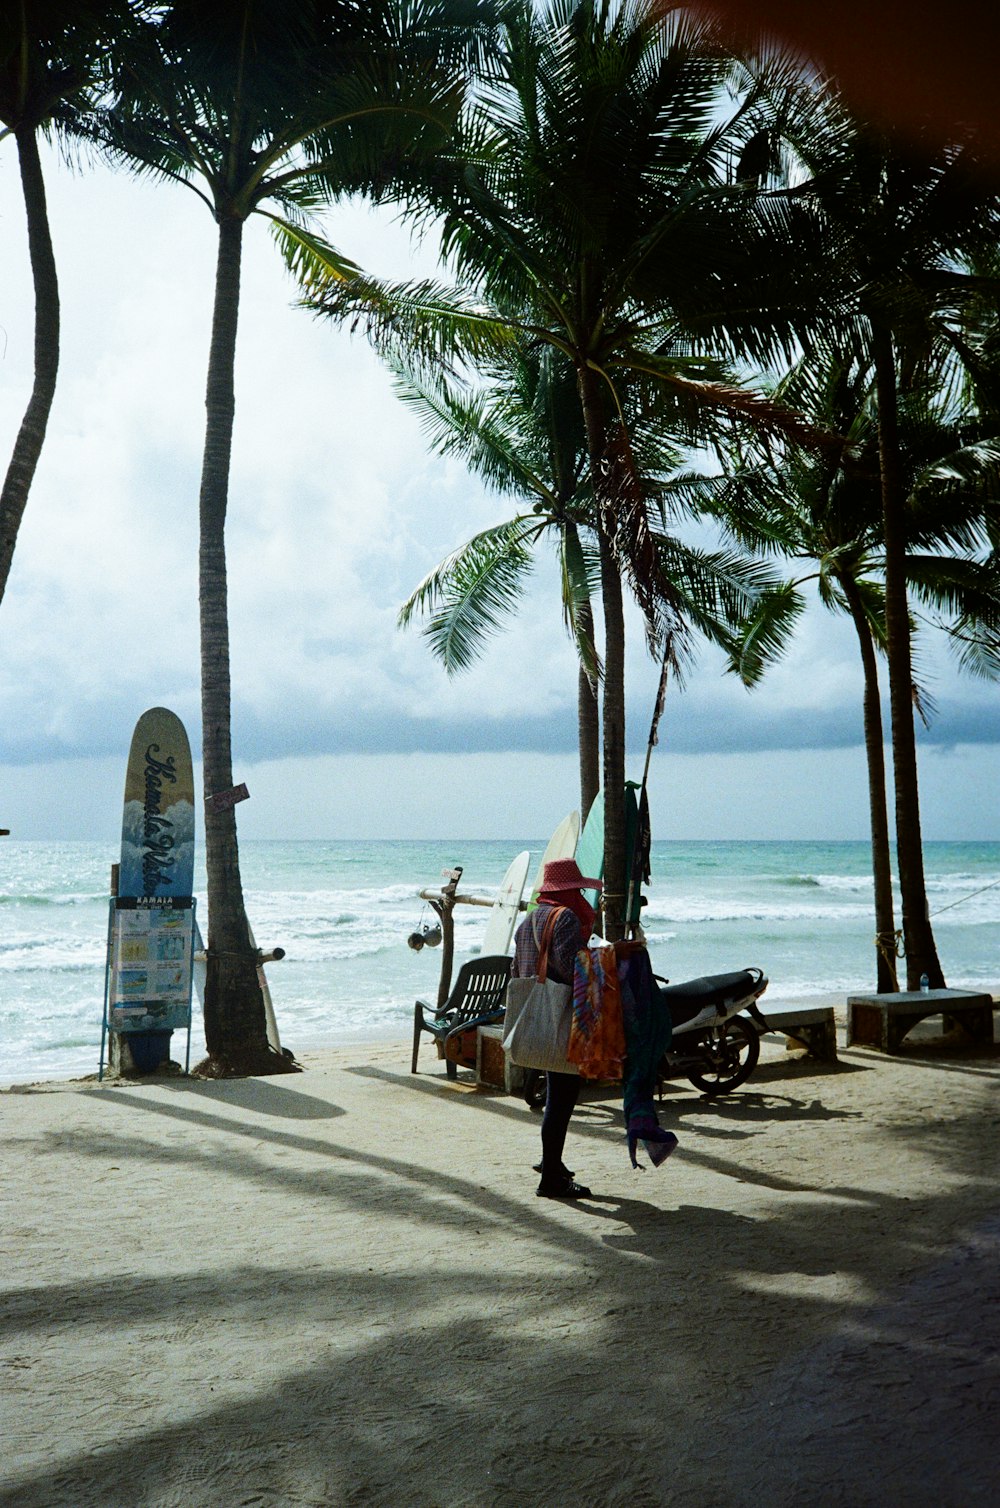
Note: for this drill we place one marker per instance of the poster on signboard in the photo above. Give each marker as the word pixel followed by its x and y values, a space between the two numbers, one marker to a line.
pixel 152 952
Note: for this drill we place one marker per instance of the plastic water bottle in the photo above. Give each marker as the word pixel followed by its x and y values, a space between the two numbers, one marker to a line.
pixel 925 984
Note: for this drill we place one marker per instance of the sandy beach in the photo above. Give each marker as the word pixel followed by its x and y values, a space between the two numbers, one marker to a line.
pixel 340 1288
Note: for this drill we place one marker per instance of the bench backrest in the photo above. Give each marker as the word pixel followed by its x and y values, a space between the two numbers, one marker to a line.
pixel 481 987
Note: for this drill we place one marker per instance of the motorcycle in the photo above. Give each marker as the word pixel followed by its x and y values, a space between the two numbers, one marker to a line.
pixel 713 1044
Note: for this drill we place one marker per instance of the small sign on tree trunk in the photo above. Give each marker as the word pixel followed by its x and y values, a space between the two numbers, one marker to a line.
pixel 223 801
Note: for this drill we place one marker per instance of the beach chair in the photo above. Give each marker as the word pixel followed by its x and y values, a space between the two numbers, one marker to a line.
pixel 477 999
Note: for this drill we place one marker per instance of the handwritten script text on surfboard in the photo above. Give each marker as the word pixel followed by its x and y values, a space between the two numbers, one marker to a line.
pixel 157 830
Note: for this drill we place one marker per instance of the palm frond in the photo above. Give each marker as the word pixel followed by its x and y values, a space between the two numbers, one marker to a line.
pixel 419 323
pixel 754 408
pixel 471 424
pixel 766 634
pixel 718 588
pixel 977 647
pixel 580 573
pixel 469 595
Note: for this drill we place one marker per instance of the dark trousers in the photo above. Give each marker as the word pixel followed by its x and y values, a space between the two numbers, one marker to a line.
pixel 562 1090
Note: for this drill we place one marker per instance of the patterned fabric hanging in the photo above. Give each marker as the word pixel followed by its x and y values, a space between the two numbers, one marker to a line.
pixel 597 1035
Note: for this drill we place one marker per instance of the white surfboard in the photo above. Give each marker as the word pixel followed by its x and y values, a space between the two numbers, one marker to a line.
pixel 561 845
pixel 503 917
pixel 199 985
pixel 265 989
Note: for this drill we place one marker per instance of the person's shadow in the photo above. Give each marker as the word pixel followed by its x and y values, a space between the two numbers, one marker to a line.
pixel 695 1239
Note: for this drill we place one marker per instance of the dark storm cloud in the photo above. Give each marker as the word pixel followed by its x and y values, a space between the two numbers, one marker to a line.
pixel 689 726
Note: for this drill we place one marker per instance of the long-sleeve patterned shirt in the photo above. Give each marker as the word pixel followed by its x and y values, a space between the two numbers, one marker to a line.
pixel 567 940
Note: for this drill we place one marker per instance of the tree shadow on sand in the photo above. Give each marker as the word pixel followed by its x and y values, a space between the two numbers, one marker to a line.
pixel 767 1347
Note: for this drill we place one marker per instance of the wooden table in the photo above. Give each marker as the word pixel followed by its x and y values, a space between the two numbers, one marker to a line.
pixel 882 1021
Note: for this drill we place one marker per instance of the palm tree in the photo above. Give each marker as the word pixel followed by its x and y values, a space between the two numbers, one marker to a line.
pixel 585 207
pixel 521 432
pixel 54 62
pixel 977 348
pixel 899 219
pixel 250 103
pixel 827 511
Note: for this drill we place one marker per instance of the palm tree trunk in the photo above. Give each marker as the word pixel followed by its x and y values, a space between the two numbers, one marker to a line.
pixel 587 706
pixel 615 866
pixel 885 925
pixel 918 938
pixel 28 445
pixel 235 1024
pixel 589 727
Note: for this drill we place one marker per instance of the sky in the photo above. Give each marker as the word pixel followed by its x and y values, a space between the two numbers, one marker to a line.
pixel 344 726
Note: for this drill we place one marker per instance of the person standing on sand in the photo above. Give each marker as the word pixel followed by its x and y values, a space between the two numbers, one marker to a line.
pixel 562 887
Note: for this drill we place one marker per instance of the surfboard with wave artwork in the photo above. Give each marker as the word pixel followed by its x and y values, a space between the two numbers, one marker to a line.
pixel 157 857
pixel 153 933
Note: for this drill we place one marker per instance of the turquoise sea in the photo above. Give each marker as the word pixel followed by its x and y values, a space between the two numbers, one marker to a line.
pixel 343 910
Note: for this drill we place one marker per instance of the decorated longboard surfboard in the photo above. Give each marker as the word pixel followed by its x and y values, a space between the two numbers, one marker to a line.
pixel 158 822
pixel 503 916
pixel 153 934
pixel 590 849
pixel 561 845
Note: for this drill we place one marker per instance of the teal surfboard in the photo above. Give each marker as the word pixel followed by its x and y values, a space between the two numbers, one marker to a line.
pixel 590 849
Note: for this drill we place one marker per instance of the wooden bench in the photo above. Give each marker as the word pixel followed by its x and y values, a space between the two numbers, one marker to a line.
pixel 811 1027
pixel 882 1021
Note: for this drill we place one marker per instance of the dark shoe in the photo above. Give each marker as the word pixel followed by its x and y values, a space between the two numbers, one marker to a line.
pixel 564 1170
pixel 565 1188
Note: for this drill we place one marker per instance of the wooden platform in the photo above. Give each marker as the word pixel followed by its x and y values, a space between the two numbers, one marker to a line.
pixel 882 1021
pixel 811 1027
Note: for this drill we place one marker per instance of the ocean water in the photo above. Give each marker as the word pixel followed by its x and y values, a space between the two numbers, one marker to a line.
pixel 343 910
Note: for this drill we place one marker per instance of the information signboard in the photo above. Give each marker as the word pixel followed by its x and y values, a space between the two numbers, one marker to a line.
pixel 152 961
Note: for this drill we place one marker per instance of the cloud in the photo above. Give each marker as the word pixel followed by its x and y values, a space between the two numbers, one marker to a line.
pixel 336 513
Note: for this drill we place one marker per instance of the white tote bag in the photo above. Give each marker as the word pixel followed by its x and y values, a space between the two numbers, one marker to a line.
pixel 539 1015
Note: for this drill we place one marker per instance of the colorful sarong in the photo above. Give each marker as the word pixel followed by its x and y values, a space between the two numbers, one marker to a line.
pixel 597 1034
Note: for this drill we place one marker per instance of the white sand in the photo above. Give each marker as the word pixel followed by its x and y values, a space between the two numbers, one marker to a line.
pixel 340 1288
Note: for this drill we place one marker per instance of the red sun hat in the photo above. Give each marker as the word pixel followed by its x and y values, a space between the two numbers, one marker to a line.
pixel 564 874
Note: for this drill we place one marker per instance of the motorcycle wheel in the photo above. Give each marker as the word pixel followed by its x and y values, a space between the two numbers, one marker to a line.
pixel 534 1089
pixel 732 1052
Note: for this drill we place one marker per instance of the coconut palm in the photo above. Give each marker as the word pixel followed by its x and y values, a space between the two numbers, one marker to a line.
pixel 586 207
pixel 900 218
pixel 827 511
pixel 521 432
pixel 269 108
pixel 977 348
pixel 54 62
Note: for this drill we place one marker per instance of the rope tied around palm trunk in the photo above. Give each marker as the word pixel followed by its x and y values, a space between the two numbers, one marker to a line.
pixel 891 946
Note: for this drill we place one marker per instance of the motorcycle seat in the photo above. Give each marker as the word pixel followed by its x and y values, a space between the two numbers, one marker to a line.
pixel 719 990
